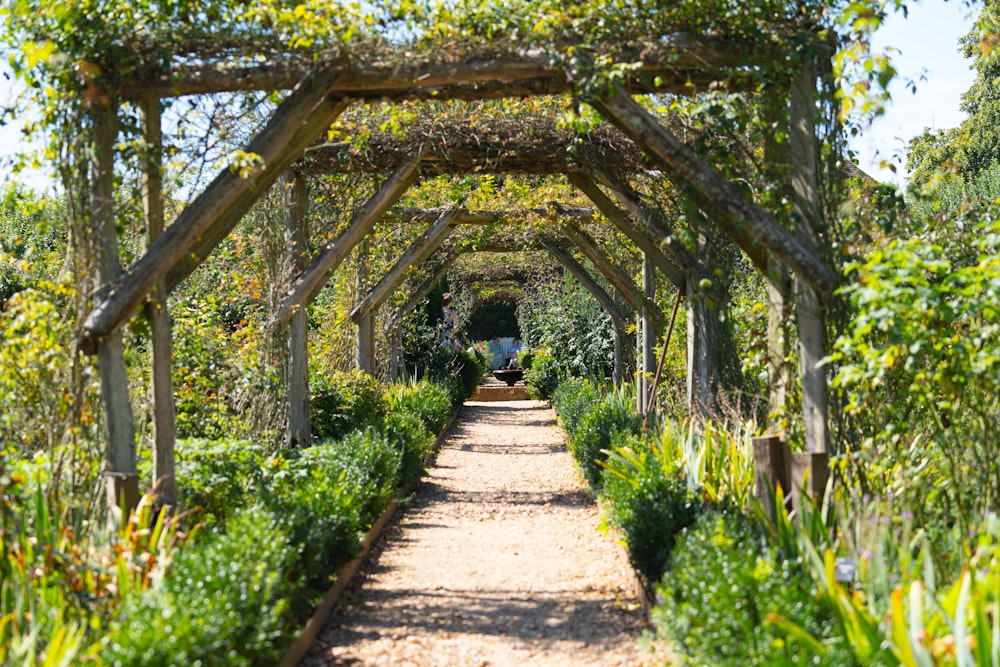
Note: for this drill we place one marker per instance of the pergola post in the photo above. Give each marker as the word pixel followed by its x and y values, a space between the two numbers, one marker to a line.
pixel 809 307
pixel 619 357
pixel 295 199
pixel 366 332
pixel 119 426
pixel 648 333
pixel 778 302
pixel 164 410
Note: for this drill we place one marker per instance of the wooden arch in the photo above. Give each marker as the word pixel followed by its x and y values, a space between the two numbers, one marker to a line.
pixel 321 90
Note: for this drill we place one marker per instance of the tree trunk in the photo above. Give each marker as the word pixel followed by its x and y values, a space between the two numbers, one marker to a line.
pixel 164 410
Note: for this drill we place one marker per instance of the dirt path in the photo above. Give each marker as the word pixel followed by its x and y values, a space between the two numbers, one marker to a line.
pixel 497 561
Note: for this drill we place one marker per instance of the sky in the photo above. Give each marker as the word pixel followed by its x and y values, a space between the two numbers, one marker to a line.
pixel 927 41
pixel 927 44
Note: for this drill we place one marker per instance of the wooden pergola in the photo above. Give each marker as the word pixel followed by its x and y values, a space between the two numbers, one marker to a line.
pixel 291 146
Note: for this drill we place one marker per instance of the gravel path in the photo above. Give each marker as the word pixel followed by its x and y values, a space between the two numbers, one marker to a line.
pixel 496 561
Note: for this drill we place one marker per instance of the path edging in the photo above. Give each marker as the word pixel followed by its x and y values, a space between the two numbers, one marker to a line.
pixel 323 611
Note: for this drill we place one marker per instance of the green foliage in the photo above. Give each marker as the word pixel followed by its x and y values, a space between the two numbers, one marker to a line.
pixel 494 318
pixel 343 402
pixel 407 432
pixel 440 363
pixel 564 318
pixel 544 375
pixel 216 476
pixel 726 586
pixel 223 601
pixel 428 400
pixel 647 506
pixel 597 427
pixel 572 399
pixel 918 368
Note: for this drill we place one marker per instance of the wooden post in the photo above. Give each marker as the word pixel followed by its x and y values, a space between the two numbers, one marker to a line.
pixel 810 474
pixel 296 201
pixel 778 300
pixel 119 425
pixel 311 281
pixel 809 307
pixel 648 331
pixel 366 334
pixel 619 370
pixel 164 410
pixel 698 364
pixel 772 468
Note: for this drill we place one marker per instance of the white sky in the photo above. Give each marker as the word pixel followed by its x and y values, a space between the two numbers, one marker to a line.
pixel 928 53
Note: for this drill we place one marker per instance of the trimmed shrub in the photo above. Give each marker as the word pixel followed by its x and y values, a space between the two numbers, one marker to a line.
pixel 725 583
pixel 543 376
pixel 648 508
pixel 216 476
pixel 427 400
pixel 593 436
pixel 407 432
pixel 223 601
pixel 572 399
pixel 345 402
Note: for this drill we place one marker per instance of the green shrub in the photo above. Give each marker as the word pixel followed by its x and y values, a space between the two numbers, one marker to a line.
pixel 726 580
pixel 325 497
pixel 543 376
pixel 428 400
pixel 572 399
pixel 407 432
pixel 593 437
pixel 217 476
pixel 224 601
pixel 470 368
pixel 344 402
pixel 648 507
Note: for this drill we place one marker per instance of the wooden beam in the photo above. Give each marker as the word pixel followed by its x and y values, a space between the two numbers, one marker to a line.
pixel 648 331
pixel 584 278
pixel 295 124
pixel 750 226
pixel 653 224
pixel 622 221
pixel 219 230
pixel 311 281
pixel 423 290
pixel 618 279
pixel 681 62
pixel 416 253
pixel 164 409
